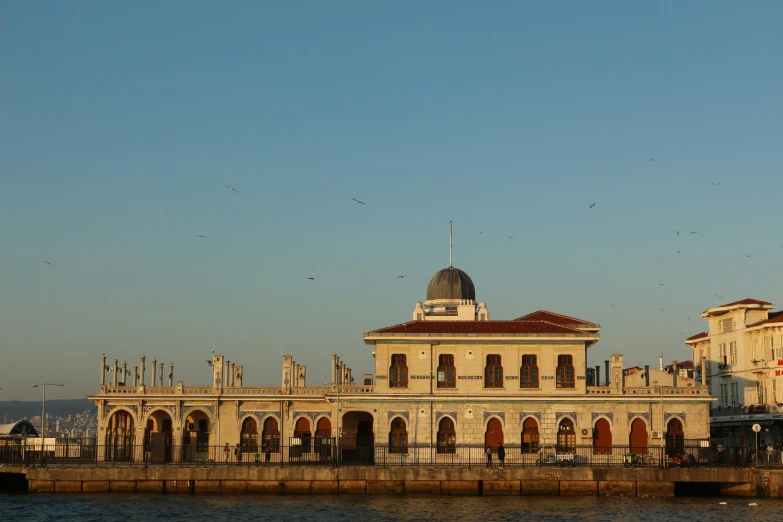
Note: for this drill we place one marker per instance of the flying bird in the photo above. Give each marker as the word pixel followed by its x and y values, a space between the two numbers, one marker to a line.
pixel 480 232
pixel 401 277
pixel 678 251
pixel 359 202
pixel 591 206
pixel 718 296
pixel 650 159
pixel 693 232
pixel 714 184
pixel 198 235
pixel 678 232
pixel 611 305
pixel 661 284
pixel 510 237
pixel 311 278
pixel 661 309
pixel 748 255
pixel 47 262
pixel 229 187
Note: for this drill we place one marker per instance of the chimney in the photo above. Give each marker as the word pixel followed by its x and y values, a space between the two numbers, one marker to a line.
pixel 103 370
pixel 135 376
pixel 598 375
pixel 143 364
pixel 239 375
pixel 124 372
pixel 226 374
pixel 606 364
pixel 161 375
pixel 674 373
pixel 232 374
pixel 333 372
pixel 114 374
pixel 647 375
pixel 342 373
pixel 660 362
pixel 171 374
pixel 704 371
pixel 154 372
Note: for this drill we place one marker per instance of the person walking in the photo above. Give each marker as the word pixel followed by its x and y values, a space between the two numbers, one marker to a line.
pixel 501 454
pixel 489 456
pixel 226 452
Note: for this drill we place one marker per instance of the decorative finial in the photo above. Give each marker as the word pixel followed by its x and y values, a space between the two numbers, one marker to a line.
pixel 450 257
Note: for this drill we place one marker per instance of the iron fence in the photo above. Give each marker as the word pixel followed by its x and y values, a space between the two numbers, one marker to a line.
pixel 364 452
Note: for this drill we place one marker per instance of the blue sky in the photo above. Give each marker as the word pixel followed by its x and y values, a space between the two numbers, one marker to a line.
pixel 120 124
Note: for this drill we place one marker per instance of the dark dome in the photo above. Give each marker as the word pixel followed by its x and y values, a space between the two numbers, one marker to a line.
pixel 450 283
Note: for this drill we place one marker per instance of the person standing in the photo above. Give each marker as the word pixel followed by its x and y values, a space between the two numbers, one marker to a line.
pixel 226 452
pixel 267 454
pixel 489 456
pixel 501 454
pixel 238 454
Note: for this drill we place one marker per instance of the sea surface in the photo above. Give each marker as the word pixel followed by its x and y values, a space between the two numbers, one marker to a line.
pixel 142 507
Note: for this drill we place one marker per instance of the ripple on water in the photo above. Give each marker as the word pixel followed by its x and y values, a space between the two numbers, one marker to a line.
pixel 310 508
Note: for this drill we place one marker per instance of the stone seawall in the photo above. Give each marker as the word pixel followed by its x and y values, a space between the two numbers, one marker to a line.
pixel 374 480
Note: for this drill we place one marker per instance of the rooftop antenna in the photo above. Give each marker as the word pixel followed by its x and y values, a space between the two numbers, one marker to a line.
pixel 450 260
pixel 213 347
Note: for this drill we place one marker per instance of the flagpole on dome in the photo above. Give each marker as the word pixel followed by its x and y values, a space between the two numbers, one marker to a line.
pixel 450 261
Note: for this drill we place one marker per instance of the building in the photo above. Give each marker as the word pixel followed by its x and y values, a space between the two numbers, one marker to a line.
pixel 449 379
pixel 742 352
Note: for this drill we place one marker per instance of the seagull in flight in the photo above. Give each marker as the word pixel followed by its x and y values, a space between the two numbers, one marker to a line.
pixel 678 251
pixel 678 232
pixel 748 255
pixel 47 262
pixel 693 232
pixel 661 284
pixel 661 309
pixel 198 235
pixel 718 296
pixel 650 159
pixel 591 206
pixel 714 184
pixel 401 277
pixel 359 202
pixel 229 187
pixel 510 237
pixel 311 278
pixel 611 304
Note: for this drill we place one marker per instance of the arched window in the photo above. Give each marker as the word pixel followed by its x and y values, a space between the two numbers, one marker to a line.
pixel 398 372
pixel 566 436
pixel 565 371
pixel 323 437
pixel 530 436
pixel 447 373
pixel 447 437
pixel 602 437
pixel 249 435
pixel 637 440
pixel 494 434
pixel 675 438
pixel 493 372
pixel 302 432
pixel 528 372
pixel 270 437
pixel 398 436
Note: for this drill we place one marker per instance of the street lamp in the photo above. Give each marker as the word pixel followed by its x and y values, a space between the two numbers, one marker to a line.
pixel 43 386
pixel 664 460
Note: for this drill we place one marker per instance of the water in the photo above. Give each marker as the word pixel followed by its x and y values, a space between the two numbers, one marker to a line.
pixel 312 508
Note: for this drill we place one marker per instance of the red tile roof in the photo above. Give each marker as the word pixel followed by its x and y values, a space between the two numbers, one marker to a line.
pixel 477 327
pixel 551 317
pixel 774 317
pixel 697 336
pixel 747 301
pixel 681 365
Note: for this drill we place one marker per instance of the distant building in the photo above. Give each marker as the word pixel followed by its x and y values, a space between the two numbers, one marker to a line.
pixel 742 352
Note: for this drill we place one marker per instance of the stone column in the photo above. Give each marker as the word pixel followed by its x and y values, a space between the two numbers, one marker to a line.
pixel 103 370
pixel 227 373
pixel 135 376
pixel 161 375
pixel 154 372
pixel 232 374
pixel 674 374
pixel 239 369
pixel 333 371
pixel 342 373
pixel 704 370
pixel 142 365
pixel 171 374
pixel 598 375
pixel 608 377
pixel 114 374
pixel 124 372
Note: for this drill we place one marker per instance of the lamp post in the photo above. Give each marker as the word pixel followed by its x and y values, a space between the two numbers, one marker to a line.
pixel 43 386
pixel 664 460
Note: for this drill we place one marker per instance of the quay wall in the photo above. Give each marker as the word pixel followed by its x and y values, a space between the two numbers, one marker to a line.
pixel 375 480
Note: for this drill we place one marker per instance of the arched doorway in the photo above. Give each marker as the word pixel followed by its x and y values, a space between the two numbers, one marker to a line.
pixel 566 436
pixel 302 434
pixel 270 436
pixel 158 437
pixel 248 437
pixel 357 443
pixel 675 438
pixel 494 433
pixel 530 436
pixel 637 440
pixel 323 438
pixel 398 436
pixel 602 436
pixel 447 436
pixel 119 436
pixel 196 436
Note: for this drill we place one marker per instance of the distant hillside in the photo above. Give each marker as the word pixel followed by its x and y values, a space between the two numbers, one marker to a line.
pixel 16 410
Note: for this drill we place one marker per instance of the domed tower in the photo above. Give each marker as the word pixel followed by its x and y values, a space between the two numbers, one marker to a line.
pixel 451 296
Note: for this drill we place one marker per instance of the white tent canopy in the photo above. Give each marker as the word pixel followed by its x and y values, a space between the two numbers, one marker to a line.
pixel 22 428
